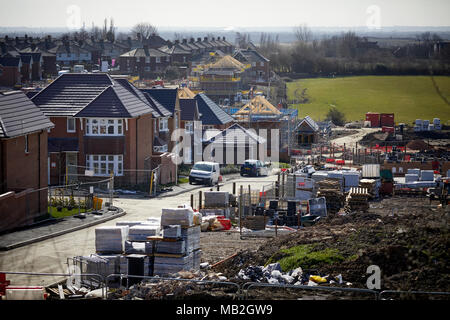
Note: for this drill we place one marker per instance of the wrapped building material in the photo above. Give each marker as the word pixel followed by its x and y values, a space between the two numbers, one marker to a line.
pixel 110 239
pixel 141 232
pixel 427 175
pixel 133 247
pixel 164 266
pixel 171 247
pixel 172 231
pixel 123 265
pixel 411 177
pixel 216 199
pixel 197 259
pixel 191 236
pixel 181 216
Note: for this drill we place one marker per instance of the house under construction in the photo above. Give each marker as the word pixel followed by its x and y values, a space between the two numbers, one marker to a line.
pixel 259 114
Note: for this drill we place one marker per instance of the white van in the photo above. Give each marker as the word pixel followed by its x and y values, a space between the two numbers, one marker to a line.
pixel 205 173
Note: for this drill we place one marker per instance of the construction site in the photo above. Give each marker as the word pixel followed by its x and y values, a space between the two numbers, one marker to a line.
pixel 348 201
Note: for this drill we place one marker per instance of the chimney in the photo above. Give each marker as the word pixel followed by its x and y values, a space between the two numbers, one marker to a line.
pixel 169 44
pixel 139 36
pixel 177 41
pixel 184 40
pixel 223 38
pixel 199 39
pixel 192 40
pixel 205 39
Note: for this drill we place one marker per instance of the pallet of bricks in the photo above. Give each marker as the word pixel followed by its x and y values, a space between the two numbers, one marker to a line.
pixel 122 249
pixel 331 190
pixel 217 203
pixel 357 200
pixel 178 248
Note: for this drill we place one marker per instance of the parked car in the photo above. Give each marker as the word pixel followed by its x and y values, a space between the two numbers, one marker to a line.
pixel 205 172
pixel 254 168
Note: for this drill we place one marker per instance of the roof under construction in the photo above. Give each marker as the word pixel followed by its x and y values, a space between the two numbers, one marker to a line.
pixel 227 62
pixel 185 93
pixel 258 106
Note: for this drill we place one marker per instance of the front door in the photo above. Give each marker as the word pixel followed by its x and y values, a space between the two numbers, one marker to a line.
pixel 71 167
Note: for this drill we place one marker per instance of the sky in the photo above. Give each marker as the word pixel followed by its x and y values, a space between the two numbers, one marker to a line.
pixel 228 14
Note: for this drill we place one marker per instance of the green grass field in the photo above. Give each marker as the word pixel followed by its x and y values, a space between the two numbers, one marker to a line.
pixel 409 97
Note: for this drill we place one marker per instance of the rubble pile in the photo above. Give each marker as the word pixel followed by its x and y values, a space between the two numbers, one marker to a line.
pixel 273 274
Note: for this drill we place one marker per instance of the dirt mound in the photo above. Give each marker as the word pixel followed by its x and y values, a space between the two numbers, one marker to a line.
pixel 418 145
pixel 410 246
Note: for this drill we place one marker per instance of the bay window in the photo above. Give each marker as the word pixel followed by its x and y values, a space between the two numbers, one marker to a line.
pixel 163 124
pixel 103 165
pixel 107 127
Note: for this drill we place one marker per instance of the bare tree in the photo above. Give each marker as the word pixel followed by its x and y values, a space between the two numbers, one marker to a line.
pixel 303 33
pixel 145 29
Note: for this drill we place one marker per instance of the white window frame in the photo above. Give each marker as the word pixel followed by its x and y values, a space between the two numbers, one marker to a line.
pixel 102 126
pixel 70 119
pixel 175 118
pixel 96 162
pixel 158 59
pixel 164 124
pixel 163 148
pixel 147 68
pixel 27 149
pixel 189 126
pixel 147 59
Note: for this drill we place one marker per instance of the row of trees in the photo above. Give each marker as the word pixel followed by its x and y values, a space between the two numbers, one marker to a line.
pixel 108 32
pixel 349 53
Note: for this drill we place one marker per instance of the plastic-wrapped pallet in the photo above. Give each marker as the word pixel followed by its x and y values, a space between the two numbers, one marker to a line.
pixel 110 265
pixel 414 171
pixel 172 247
pixel 168 265
pixel 133 247
pixel 128 223
pixel 191 236
pixel 181 216
pixel 217 199
pixel 141 232
pixel 123 265
pixel 172 231
pixel 427 175
pixel 197 256
pixel 110 239
pixel 411 177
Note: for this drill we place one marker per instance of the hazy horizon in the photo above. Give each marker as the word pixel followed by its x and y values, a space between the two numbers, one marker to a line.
pixel 235 14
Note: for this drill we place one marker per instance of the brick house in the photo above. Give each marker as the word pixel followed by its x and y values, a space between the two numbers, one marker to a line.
pixel 10 71
pixel 23 160
pixel 259 71
pixel 144 62
pixel 211 115
pixel 101 123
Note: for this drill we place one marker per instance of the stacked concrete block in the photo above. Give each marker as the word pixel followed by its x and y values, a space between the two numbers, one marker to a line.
pixel 181 216
pixel 197 259
pixel 191 236
pixel 123 265
pixel 164 266
pixel 110 239
pixel 171 247
pixel 141 232
pixel 172 231
pixel 134 247
pixel 217 199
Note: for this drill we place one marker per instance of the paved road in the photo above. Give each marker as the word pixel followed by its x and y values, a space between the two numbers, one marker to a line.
pixel 50 256
pixel 350 141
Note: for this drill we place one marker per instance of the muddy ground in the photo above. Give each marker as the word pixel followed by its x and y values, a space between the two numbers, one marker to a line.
pixel 406 237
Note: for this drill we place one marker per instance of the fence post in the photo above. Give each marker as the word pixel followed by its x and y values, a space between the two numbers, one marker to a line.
pixel 234 188
pixel 240 209
pixel 200 200
pixel 192 200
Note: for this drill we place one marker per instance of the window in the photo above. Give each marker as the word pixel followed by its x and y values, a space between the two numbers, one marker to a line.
pixel 100 127
pixel 184 59
pixel 26 144
pixel 102 165
pixel 163 124
pixel 158 59
pixel 147 68
pixel 154 125
pixel 71 125
pixel 176 120
pixel 147 59
pixel 253 64
pixel 163 148
pixel 261 64
pixel 189 127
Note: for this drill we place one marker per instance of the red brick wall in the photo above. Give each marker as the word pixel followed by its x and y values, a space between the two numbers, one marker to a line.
pixel 10 76
pixel 24 171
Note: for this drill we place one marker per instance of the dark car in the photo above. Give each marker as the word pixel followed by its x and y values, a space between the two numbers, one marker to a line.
pixel 254 168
